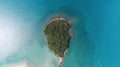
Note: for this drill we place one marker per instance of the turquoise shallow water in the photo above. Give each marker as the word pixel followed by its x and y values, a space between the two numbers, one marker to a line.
pixel 96 26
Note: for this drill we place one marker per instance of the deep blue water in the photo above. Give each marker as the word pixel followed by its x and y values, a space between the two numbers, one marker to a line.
pixel 96 42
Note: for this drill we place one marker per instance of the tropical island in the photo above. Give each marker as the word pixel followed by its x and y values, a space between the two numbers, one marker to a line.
pixel 57 32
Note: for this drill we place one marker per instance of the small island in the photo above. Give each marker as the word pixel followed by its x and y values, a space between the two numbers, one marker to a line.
pixel 58 34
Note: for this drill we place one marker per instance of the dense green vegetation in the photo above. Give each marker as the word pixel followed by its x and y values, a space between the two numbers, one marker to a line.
pixel 57 33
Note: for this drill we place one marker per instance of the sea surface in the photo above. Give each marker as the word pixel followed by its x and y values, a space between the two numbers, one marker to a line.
pixel 96 27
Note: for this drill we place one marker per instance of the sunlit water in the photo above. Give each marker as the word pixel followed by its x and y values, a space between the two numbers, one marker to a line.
pixel 94 44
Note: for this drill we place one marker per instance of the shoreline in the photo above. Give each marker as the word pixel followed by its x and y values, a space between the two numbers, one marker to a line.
pixel 60 18
pixel 61 59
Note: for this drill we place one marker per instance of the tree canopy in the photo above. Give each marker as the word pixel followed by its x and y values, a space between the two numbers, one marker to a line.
pixel 57 34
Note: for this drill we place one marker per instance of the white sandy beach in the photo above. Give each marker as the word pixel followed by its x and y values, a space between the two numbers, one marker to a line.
pixel 20 64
